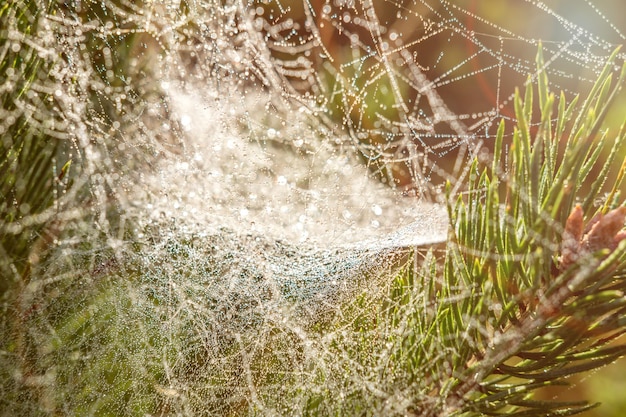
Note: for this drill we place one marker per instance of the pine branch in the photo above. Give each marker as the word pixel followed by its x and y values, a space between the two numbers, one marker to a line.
pixel 556 289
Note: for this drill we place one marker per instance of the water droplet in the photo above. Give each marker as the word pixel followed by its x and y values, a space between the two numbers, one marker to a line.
pixel 185 122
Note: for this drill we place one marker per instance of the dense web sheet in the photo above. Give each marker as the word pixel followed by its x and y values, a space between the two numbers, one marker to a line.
pixel 263 183
pixel 244 174
pixel 253 199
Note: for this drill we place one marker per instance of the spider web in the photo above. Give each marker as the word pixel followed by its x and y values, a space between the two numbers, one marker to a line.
pixel 251 171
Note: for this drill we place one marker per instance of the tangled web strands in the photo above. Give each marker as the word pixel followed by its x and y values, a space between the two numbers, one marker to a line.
pixel 224 188
pixel 415 83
